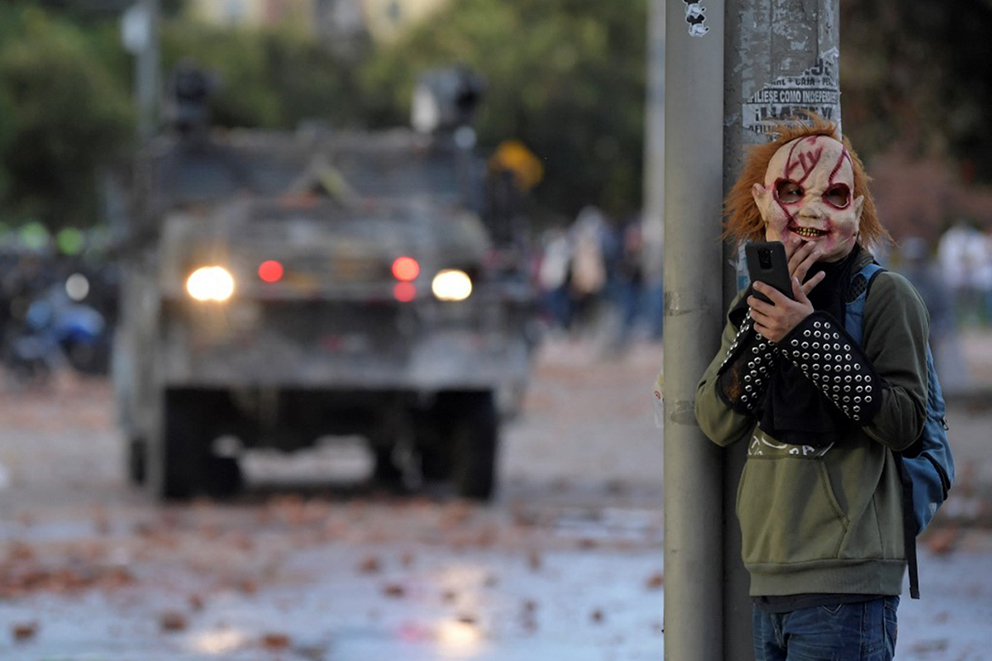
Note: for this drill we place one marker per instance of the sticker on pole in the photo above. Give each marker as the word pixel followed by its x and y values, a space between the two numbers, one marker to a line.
pixel 816 89
pixel 695 16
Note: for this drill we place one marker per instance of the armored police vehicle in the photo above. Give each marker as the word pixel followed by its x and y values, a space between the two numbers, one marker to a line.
pixel 284 287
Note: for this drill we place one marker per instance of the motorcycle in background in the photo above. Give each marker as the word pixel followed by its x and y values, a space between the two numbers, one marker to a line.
pixel 57 330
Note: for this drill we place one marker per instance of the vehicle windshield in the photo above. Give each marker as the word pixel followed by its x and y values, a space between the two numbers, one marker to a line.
pixel 399 175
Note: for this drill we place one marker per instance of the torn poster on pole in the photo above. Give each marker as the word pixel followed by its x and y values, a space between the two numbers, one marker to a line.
pixel 815 89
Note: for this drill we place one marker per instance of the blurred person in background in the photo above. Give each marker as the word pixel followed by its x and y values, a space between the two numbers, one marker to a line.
pixel 591 243
pixel 916 264
pixel 554 276
pixel 629 279
pixel 963 254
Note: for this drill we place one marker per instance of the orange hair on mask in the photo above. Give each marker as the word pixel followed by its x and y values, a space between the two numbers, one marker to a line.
pixel 743 220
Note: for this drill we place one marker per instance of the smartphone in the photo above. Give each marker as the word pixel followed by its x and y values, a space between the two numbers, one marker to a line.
pixel 766 263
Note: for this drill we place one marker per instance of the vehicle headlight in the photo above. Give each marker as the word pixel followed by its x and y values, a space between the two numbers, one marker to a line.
pixel 452 285
pixel 210 283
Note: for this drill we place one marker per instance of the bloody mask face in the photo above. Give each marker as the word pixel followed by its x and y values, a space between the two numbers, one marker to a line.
pixel 808 195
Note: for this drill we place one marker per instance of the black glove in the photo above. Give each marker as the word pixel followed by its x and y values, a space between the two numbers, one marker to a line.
pixel 836 364
pixel 744 374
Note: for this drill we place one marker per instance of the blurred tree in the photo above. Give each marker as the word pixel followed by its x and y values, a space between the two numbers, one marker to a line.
pixel 239 60
pixel 915 76
pixel 65 118
pixel 272 78
pixel 566 77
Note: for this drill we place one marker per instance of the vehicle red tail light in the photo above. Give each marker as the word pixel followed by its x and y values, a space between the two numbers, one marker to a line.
pixel 405 269
pixel 270 271
pixel 404 292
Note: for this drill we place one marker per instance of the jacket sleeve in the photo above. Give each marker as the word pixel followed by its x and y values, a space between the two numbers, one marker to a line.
pixel 896 332
pixel 721 420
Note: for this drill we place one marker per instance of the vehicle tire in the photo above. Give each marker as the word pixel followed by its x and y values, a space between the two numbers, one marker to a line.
pixel 475 436
pixel 386 473
pixel 435 463
pixel 181 454
pixel 222 476
pixel 189 465
pixel 137 458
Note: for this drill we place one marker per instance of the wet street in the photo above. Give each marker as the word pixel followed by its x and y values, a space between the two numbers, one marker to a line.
pixel 567 561
pixel 565 564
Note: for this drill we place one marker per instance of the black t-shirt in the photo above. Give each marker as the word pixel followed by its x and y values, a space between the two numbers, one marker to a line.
pixel 792 602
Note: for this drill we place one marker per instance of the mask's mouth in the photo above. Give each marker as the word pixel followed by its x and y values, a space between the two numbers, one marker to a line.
pixel 808 232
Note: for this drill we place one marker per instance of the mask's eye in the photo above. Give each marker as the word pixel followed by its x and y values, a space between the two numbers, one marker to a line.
pixel 838 195
pixel 788 191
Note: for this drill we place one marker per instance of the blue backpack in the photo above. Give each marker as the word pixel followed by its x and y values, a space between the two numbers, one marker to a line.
pixel 926 467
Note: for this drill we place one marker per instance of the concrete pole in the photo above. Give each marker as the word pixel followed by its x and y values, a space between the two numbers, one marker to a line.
pixel 781 56
pixel 693 472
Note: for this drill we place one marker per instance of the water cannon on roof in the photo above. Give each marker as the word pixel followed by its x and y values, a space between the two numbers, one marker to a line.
pixel 190 89
pixel 445 99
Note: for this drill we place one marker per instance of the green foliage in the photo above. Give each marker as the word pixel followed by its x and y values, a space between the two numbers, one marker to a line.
pixel 238 57
pixel 915 75
pixel 65 118
pixel 564 76
pixel 267 78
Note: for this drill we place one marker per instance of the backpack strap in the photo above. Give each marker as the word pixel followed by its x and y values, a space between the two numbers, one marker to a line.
pixel 908 527
pixel 854 317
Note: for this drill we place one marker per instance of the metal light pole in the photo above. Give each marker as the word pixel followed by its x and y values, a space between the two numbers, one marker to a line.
pixel 693 472
pixel 782 57
pixel 140 34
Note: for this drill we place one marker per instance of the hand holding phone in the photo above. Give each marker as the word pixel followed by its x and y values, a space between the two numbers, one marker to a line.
pixel 767 262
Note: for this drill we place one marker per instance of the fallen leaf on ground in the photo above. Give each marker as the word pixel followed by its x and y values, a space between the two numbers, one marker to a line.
pixel 172 621
pixel 275 641
pixel 24 630
pixel 942 541
pixel 370 564
pixel 394 590
pixel 656 581
pixel 248 586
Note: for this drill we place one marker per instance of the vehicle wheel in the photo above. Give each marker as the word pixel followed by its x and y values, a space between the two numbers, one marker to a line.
pixel 188 464
pixel 180 459
pixel 222 476
pixel 386 473
pixel 137 457
pixel 475 436
pixel 435 463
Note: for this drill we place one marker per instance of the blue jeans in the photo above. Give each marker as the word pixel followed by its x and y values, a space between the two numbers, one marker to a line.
pixel 863 631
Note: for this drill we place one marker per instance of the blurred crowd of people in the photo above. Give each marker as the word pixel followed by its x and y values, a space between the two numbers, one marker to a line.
pixel 954 278
pixel 593 281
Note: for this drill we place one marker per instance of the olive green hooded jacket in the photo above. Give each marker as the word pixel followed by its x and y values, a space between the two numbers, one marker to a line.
pixel 817 520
